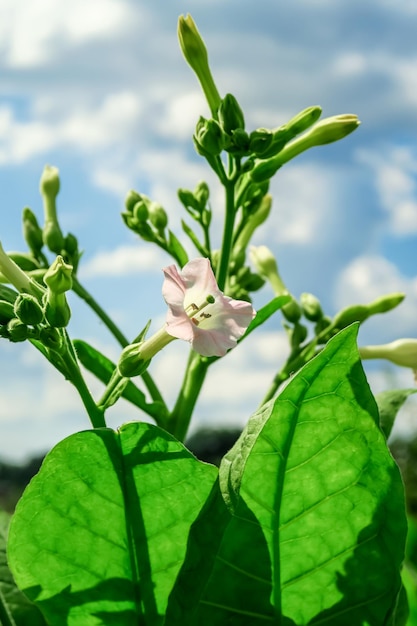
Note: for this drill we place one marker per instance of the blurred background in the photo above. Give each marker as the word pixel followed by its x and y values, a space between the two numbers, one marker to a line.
pixel 100 90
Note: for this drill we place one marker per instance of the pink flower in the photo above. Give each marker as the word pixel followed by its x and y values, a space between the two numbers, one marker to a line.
pixel 200 313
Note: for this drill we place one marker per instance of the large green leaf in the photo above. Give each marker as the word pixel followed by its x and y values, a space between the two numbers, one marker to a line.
pixel 100 533
pixel 15 608
pixel 306 524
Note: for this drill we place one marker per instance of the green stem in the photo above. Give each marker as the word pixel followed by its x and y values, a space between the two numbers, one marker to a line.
pixel 226 248
pixel 95 413
pixel 179 420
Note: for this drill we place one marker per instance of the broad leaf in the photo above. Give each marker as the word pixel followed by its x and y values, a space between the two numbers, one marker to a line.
pixel 389 403
pixel 306 524
pixel 100 533
pixel 15 608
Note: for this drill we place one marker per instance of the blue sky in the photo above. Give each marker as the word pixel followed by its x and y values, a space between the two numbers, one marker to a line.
pixel 100 90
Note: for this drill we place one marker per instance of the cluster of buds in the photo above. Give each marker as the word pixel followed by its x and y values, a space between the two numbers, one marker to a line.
pixel 34 311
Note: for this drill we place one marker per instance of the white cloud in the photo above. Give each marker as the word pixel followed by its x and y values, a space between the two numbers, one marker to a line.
pixel 124 260
pixel 369 277
pixel 395 172
pixel 33 33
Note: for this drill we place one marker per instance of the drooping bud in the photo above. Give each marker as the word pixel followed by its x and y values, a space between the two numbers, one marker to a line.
pixel 195 53
pixel 230 114
pixel 311 307
pixel 49 188
pixel 28 309
pixel 402 352
pixel 32 232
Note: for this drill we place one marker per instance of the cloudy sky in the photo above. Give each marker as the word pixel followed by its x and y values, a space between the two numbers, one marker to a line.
pixel 99 89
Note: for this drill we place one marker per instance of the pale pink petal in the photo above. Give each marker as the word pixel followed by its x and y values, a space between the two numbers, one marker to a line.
pixel 216 327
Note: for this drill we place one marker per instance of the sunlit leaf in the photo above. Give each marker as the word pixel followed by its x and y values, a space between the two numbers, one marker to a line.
pixel 100 533
pixel 306 524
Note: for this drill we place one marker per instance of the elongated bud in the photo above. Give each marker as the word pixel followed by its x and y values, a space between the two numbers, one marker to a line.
pixel 195 53
pixel 49 188
pixel 265 263
pixel 303 120
pixel 386 303
pixel 325 131
pixel 58 279
pixel 311 307
pixel 230 114
pixel 28 309
pixel 32 232
pixel 402 352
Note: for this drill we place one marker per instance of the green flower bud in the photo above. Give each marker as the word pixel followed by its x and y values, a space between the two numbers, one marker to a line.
pixel 188 199
pixel 32 232
pixel 385 303
pixel 292 311
pixel 56 309
pixel 209 138
pixel 311 307
pixel 158 216
pixel 325 131
pixel 265 263
pixel 131 198
pixel 49 188
pixel 240 142
pixel 280 137
pixel 6 312
pixel 303 120
pixel 402 352
pixel 71 244
pixel 28 309
pixel 230 114
pixel 25 261
pixel 7 294
pixel 195 53
pixel 350 314
pixel 51 339
pixel 260 141
pixel 140 210
pixel 202 194
pixel 58 276
pixel 17 331
pixel 321 325
pixel 131 363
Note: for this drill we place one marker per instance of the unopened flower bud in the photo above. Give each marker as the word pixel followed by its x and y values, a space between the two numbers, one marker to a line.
pixel 325 131
pixel 158 216
pixel 131 198
pixel 350 314
pixel 51 339
pixel 130 362
pixel 202 194
pixel 292 311
pixel 386 303
pixel 260 141
pixel 6 312
pixel 28 309
pixel 311 307
pixel 209 138
pixel 265 263
pixel 49 188
pixel 402 352
pixel 17 331
pixel 58 277
pixel 195 53
pixel 239 143
pixel 230 114
pixel 303 120
pixel 32 231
